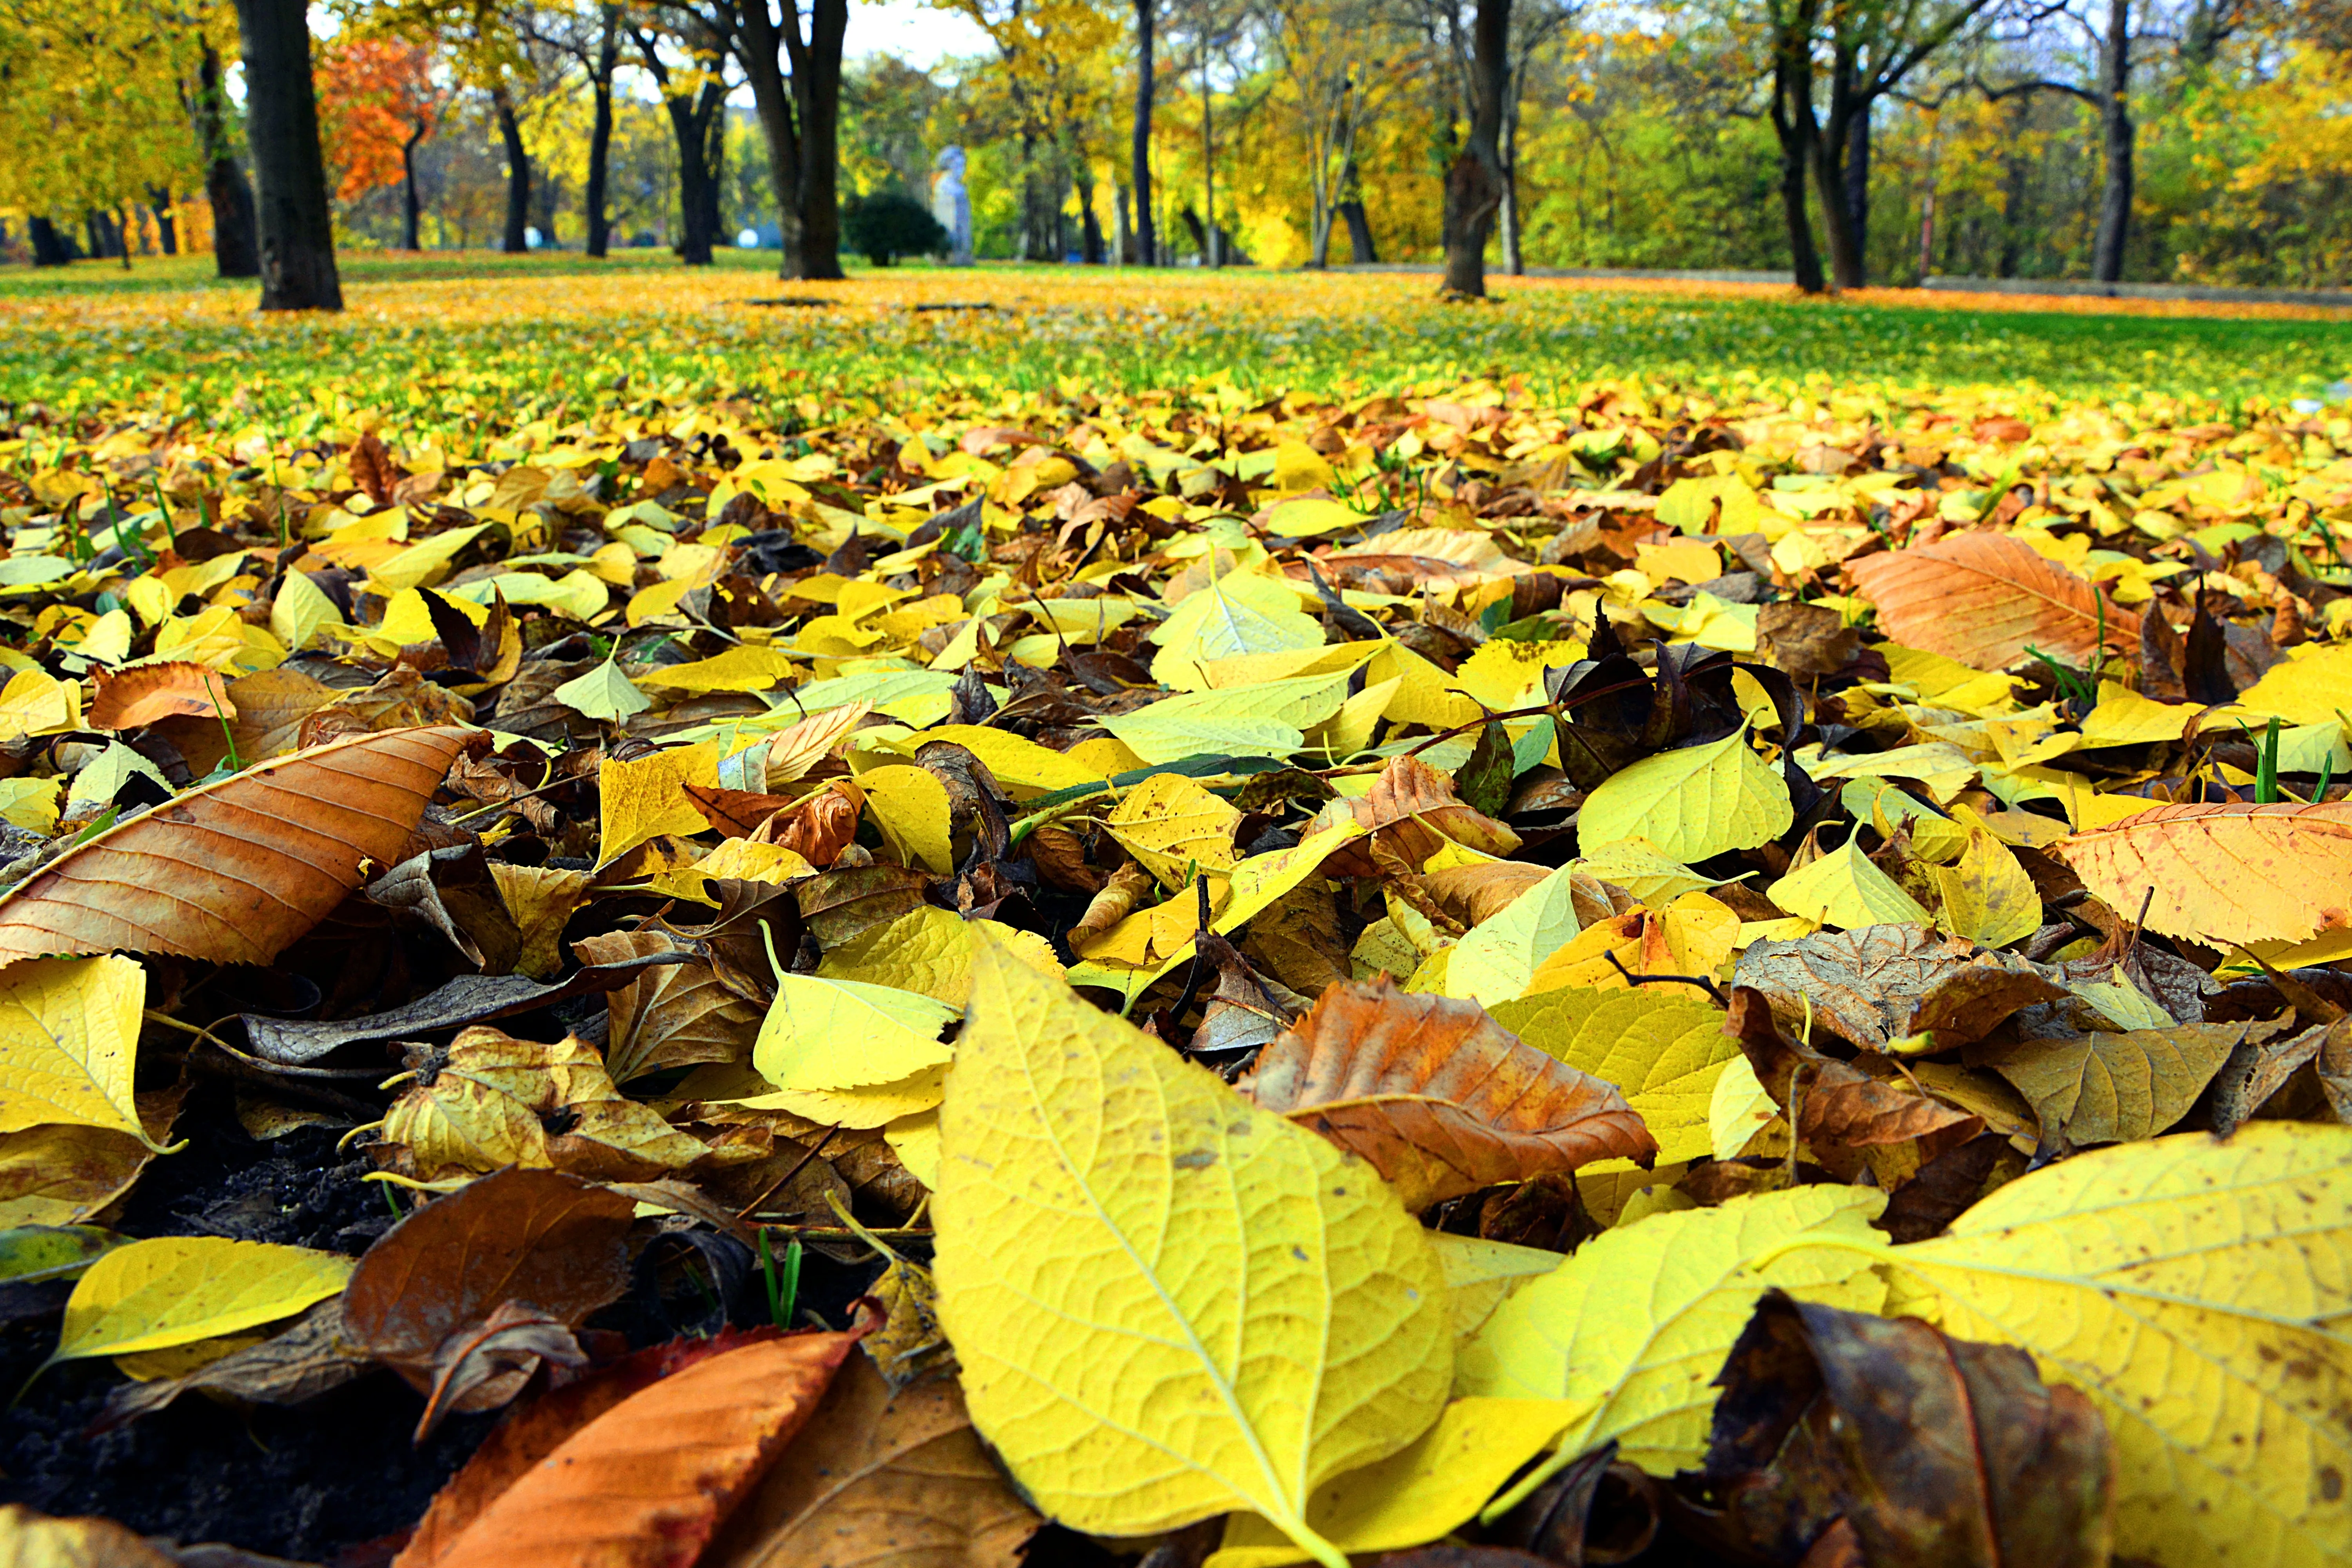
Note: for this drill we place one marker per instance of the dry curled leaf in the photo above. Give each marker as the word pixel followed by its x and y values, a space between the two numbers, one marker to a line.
pixel 1437 1096
pixel 1875 984
pixel 538 1238
pixel 150 692
pixel 1839 1111
pixel 235 871
pixel 1986 598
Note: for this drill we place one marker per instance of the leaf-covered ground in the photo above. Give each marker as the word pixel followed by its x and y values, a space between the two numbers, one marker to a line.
pixel 1716 970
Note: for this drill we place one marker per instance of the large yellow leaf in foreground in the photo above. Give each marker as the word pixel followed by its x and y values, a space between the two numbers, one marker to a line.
pixel 69 1042
pixel 1639 1320
pixel 1691 803
pixel 2199 1292
pixel 2225 872
pixel 1168 1303
pixel 174 1290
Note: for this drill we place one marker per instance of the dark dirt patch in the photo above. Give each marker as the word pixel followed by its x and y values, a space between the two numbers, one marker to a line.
pixel 314 1480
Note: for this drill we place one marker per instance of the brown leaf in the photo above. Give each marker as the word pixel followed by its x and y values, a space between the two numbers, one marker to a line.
pixel 530 1432
pixel 467 999
pixel 1877 984
pixel 490 1100
pixel 314 1356
pixel 1411 812
pixel 1239 1014
pixel 453 891
pixel 669 1016
pixel 148 692
pixel 374 470
pixel 1439 1097
pixel 1984 598
pixel 818 829
pixel 840 906
pixel 647 1482
pixel 735 813
pixel 1840 1111
pixel 552 1241
pixel 513 1340
pixel 1805 639
pixel 270 708
pixel 235 872
pixel 1931 1449
pixel 883 1479
pixel 2223 872
pixel 2108 1088
pixel 1113 904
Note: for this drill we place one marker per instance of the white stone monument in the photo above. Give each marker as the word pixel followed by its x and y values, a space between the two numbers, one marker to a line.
pixel 951 205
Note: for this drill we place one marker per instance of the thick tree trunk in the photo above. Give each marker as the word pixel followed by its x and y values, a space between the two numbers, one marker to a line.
pixel 49 248
pixel 1140 159
pixel 518 173
pixel 411 206
pixel 235 248
pixel 2118 133
pixel 1090 234
pixel 1474 185
pixel 600 136
pixel 1828 142
pixel 1857 186
pixel 1360 231
pixel 1794 124
pixel 698 199
pixel 167 227
pixel 816 102
pixel 759 47
pixel 295 225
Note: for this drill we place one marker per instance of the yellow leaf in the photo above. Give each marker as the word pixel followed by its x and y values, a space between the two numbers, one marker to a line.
pixel 863 1106
pixel 1122 1238
pixel 1309 517
pixel 2309 688
pixel 843 1034
pixel 1499 955
pixel 1299 467
pixel 1236 613
pixel 1431 1487
pixel 1425 693
pixel 1988 897
pixel 1173 827
pixel 1024 768
pixel 1693 935
pixel 910 807
pixel 35 702
pixel 69 1042
pixel 1640 1319
pixel 1692 804
pixel 1636 866
pixel 30 804
pixel 1741 1106
pixel 2224 872
pixel 915 1140
pixel 1505 673
pixel 928 950
pixel 301 611
pixel 1480 1274
pixel 644 799
pixel 1844 889
pixel 1662 1050
pixel 744 860
pixel 744 668
pixel 2198 1291
pixel 151 1295
pixel 1269 720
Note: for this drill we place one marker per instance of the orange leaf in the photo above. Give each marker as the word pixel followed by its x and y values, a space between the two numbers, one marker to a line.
pixel 1984 598
pixel 2224 872
pixel 645 1484
pixel 151 692
pixel 236 871
pixel 1439 1097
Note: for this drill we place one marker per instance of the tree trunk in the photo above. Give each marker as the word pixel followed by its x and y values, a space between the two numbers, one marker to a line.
pixel 1211 255
pixel 816 103
pixel 1090 234
pixel 48 245
pixel 1857 187
pixel 1123 226
pixel 600 136
pixel 411 206
pixel 759 47
pixel 167 227
pixel 295 225
pixel 697 199
pixel 2118 133
pixel 518 173
pixel 1139 160
pixel 1360 231
pixel 1828 142
pixel 1794 125
pixel 1199 234
pixel 1474 185
pixel 235 253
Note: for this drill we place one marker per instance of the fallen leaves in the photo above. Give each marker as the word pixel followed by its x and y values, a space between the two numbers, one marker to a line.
pixel 1125 1191
pixel 171 1291
pixel 1985 599
pixel 2226 872
pixel 235 871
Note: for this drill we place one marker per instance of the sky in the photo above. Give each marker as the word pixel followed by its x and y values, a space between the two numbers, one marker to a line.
pixel 918 33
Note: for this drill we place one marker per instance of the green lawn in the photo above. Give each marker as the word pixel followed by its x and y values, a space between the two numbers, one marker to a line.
pixel 474 337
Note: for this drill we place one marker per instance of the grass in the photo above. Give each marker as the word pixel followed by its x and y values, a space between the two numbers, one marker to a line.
pixel 456 341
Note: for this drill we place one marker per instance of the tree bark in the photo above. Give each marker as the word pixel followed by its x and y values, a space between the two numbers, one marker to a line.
pixel 295 225
pixel 1147 250
pixel 759 45
pixel 1857 185
pixel 600 135
pixel 235 253
pixel 2118 133
pixel 1360 231
pixel 1829 148
pixel 48 246
pixel 816 102
pixel 1795 127
pixel 518 172
pixel 411 205
pixel 1474 185
pixel 1090 234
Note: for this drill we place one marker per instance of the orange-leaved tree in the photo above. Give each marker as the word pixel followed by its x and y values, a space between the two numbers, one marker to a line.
pixel 378 102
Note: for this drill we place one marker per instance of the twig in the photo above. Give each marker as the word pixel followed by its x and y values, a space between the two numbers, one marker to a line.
pixel 817 1149
pixel 1701 981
